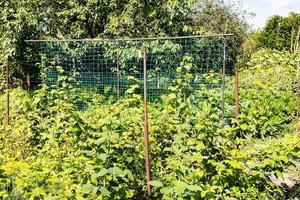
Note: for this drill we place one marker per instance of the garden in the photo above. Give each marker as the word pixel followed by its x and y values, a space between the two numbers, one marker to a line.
pixel 172 117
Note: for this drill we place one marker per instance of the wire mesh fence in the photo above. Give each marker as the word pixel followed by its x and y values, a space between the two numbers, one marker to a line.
pixel 114 67
pixel 4 89
pixel 3 101
pixel 147 66
pixel 110 67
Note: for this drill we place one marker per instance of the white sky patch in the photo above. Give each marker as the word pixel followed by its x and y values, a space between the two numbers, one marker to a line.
pixel 264 9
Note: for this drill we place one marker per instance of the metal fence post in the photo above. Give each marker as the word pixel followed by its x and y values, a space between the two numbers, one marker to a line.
pixel 118 74
pixel 7 97
pixel 223 79
pixel 297 97
pixel 236 92
pixel 146 132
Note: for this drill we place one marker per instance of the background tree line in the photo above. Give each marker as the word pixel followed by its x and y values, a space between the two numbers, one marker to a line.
pixel 280 33
pixel 42 19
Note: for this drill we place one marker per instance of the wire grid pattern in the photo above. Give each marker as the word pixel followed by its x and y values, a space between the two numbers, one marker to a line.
pixel 2 105
pixel 111 67
pixel 3 94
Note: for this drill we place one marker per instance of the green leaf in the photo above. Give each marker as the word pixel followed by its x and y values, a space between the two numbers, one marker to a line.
pixel 87 188
pixel 156 183
pixel 102 156
pixel 180 186
pixel 104 192
pixel 100 141
pixel 244 127
pixel 51 198
pixel 89 168
pixel 102 172
pixel 117 171
pixel 279 174
pixel 234 164
pixel 203 193
pixel 194 188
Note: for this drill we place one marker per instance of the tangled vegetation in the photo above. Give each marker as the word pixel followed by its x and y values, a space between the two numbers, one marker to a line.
pixel 53 151
pixel 63 143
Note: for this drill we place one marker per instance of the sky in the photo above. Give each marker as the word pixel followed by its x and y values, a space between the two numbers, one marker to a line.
pixel 267 8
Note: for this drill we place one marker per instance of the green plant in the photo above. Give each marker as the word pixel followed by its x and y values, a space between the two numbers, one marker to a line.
pixel 268 94
pixel 55 151
pixel 280 33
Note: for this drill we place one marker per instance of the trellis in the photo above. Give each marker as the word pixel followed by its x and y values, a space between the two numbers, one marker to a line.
pixel 110 67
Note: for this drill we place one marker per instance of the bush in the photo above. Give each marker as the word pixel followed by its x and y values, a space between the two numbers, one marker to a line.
pixel 55 151
pixel 268 94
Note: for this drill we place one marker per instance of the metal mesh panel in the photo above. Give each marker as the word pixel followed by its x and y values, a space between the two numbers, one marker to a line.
pixel 110 67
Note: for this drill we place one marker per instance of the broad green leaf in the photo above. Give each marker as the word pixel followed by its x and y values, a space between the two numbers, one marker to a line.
pixel 156 183
pixel 87 188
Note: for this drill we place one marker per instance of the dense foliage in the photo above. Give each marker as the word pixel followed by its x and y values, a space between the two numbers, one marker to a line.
pixel 38 19
pixel 54 148
pixel 55 151
pixel 269 81
pixel 281 33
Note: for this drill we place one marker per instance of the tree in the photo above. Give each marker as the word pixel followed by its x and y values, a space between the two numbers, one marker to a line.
pixel 280 33
pixel 18 23
pixel 42 19
pixel 219 16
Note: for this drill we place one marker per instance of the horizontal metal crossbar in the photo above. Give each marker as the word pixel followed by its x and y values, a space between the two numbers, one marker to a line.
pixel 132 39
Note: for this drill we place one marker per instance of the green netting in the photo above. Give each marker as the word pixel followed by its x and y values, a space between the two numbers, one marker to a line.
pixel 109 66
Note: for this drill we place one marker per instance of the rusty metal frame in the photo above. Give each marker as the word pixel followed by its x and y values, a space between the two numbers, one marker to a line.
pixel 118 74
pixel 133 39
pixel 236 91
pixel 146 131
pixel 223 70
pixel 7 95
pixel 297 105
pixel 297 97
